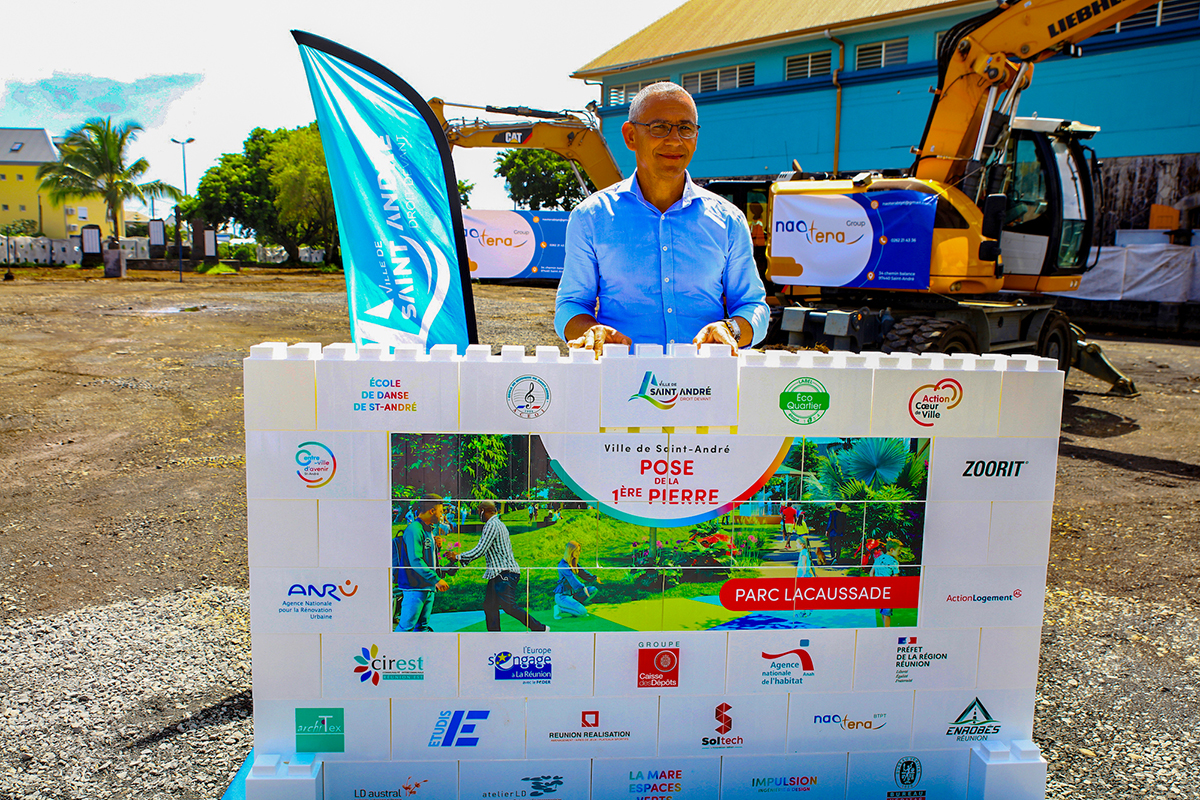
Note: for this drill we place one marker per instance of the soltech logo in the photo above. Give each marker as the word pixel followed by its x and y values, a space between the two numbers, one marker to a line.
pixel 661 394
pixel 658 665
pixel 804 401
pixel 974 724
pixel 317 464
pixel 928 403
pixel 788 668
pixel 724 725
pixel 320 730
pixel 528 397
pixel 452 727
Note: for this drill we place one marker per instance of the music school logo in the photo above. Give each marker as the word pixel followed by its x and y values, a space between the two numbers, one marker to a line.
pixel 528 397
pixel 371 667
pixel 804 400
pixel 788 668
pixel 452 728
pixel 317 464
pixel 664 395
pixel 532 666
pixel 320 730
pixel 974 724
pixel 658 666
pixel 907 776
pixel 929 402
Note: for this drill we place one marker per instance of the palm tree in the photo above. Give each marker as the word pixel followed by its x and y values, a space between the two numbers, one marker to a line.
pixel 92 162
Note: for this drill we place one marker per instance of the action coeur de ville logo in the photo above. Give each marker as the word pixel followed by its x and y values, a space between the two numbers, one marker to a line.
pixel 528 397
pixel 929 402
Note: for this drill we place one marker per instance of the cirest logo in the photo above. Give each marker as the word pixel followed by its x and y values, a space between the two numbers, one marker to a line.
pixel 370 666
pixel 664 395
pixel 877 722
pixel 816 235
pixel 930 401
pixel 325 590
pixel 974 724
pixel 907 775
pixel 317 464
pixel 658 664
pixel 804 400
pixel 528 397
pixel 531 666
pixel 452 727
pixel 320 730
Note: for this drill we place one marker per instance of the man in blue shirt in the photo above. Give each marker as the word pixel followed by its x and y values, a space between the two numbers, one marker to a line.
pixel 414 567
pixel 668 262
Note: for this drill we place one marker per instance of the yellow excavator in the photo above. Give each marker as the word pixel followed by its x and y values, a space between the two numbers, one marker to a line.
pixel 916 259
pixel 574 135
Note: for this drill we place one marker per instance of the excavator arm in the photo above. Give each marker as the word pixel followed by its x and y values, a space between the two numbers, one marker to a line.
pixel 574 138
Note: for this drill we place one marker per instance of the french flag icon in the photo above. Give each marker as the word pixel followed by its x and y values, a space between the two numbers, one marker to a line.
pixel 907 640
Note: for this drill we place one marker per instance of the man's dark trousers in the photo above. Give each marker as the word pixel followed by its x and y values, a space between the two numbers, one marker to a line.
pixel 501 593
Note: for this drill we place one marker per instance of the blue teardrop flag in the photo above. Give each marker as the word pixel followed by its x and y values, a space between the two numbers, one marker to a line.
pixel 396 198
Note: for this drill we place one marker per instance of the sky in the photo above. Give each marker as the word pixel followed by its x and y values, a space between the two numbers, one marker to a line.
pixel 215 71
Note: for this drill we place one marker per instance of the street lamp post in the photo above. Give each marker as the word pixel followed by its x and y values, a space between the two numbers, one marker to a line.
pixel 183 149
pixel 178 219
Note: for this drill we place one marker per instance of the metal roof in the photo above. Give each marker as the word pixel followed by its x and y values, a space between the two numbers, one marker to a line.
pixel 702 26
pixel 26 146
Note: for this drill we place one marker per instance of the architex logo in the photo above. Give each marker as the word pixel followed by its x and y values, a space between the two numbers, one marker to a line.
pixel 974 724
pixel 658 665
pixel 317 464
pixel 930 402
pixel 788 668
pixel 320 730
pixel 665 395
pixel 529 667
pixel 724 725
pixel 528 397
pixel 804 401
pixel 372 666
pixel 907 776
pixel 453 727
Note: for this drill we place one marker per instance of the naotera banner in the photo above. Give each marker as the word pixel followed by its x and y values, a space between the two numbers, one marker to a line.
pixel 396 199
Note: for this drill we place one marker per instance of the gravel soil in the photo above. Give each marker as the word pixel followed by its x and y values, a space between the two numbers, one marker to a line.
pixel 124 644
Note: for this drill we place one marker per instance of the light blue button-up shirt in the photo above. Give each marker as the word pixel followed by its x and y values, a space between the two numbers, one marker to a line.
pixel 659 277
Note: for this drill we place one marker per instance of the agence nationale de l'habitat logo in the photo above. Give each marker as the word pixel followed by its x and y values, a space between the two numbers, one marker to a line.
pixel 664 395
pixel 929 402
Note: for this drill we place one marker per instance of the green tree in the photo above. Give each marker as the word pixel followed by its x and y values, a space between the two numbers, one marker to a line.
pixel 93 161
pixel 303 194
pixel 540 179
pixel 20 227
pixel 464 193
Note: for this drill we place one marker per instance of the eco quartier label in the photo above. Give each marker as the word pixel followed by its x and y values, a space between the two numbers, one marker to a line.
pixel 804 400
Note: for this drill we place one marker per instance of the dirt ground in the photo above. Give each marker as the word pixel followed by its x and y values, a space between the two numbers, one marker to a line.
pixel 122 448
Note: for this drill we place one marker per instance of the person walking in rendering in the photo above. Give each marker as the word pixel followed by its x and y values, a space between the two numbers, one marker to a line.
pixel 571 593
pixel 503 574
pixel 887 565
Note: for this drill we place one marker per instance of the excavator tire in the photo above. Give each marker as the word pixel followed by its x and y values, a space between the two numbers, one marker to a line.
pixel 1056 340
pixel 930 335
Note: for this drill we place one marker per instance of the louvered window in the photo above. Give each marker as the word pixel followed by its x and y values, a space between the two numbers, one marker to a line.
pixel 718 80
pixel 808 65
pixel 891 53
pixel 1167 12
pixel 625 92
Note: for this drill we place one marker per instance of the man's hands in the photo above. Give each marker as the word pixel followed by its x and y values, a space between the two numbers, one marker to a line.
pixel 595 337
pixel 441 586
pixel 719 333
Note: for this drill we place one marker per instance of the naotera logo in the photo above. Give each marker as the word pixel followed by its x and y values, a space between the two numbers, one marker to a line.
pixel 325 590
pixel 317 464
pixel 452 726
pixel 929 402
pixel 528 397
pixel 877 722
pixel 815 235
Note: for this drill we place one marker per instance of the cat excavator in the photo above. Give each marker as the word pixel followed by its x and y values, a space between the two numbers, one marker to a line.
pixel 952 254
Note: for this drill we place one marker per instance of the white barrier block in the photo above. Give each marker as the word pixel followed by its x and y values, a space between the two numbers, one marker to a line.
pixel 722 725
pixel 391 779
pixel 779 662
pixel 1020 532
pixel 1008 658
pixel 315 465
pixel 993 469
pixel 355 533
pixel 681 778
pixel 336 730
pixel 286 665
pixel 555 780
pixel 804 394
pixel 462 729
pixel 281 533
pixel 408 392
pixel 591 727
pixel 404 666
pixel 650 390
pixel 660 663
pixel 956 533
pixel 819 777
pixel 964 717
pixel 279 387
pixel 968 597
pixel 819 723
pixel 526 665
pixel 1031 398
pixel 909 774
pixel 917 398
pixel 921 658
pixel 1016 773
pixel 320 600
pixel 271 778
pixel 507 394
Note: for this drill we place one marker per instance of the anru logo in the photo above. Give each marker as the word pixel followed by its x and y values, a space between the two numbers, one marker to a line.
pixel 724 721
pixel 929 402
pixel 326 590
pixel 665 395
pixel 974 724
pixel 814 236
pixel 847 724
pixel 317 464
pixel 452 726
pixel 993 469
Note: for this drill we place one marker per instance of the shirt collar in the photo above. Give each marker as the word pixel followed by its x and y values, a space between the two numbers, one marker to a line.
pixel 631 185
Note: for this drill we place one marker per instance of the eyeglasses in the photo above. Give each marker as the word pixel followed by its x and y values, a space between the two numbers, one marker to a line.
pixel 661 130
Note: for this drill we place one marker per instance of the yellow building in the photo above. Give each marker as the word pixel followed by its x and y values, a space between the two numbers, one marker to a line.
pixel 22 151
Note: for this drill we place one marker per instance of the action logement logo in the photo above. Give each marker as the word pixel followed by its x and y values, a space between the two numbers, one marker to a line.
pixel 452 728
pixel 320 730
pixel 528 397
pixel 663 395
pixel 317 464
pixel 373 667
pixel 930 401
pixel 658 665
pixel 974 724
pixel 804 401
pixel 531 666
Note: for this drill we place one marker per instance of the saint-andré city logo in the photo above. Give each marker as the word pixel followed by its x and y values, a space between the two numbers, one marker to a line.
pixel 528 397
pixel 317 464
pixel 665 394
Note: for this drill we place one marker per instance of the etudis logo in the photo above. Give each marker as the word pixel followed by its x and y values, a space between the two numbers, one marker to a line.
pixel 370 666
pixel 451 728
pixel 317 464
pixel 528 397
pixel 804 400
pixel 325 590
pixel 658 666
pixel 974 724
pixel 320 730
pixel 665 395
pixel 930 401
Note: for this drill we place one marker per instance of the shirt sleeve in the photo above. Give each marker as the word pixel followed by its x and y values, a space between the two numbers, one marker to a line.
pixel 416 553
pixel 485 541
pixel 745 295
pixel 579 284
